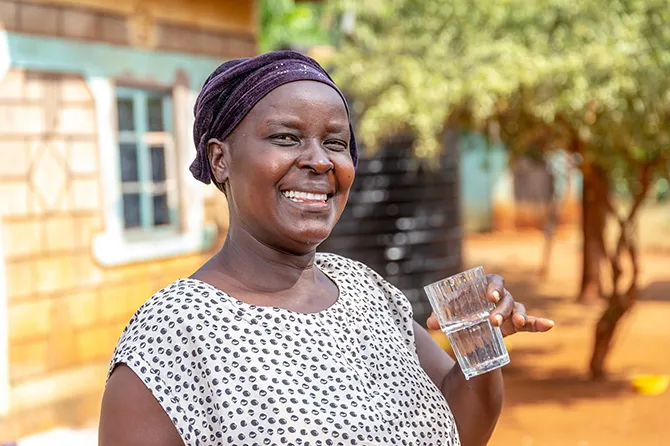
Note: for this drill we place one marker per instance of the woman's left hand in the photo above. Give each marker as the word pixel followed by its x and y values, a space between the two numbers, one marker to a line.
pixel 509 315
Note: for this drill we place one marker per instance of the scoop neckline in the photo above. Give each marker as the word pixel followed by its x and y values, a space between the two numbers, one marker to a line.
pixel 336 306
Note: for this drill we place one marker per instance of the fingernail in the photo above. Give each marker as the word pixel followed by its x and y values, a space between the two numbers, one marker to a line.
pixel 496 295
pixel 551 322
pixel 499 319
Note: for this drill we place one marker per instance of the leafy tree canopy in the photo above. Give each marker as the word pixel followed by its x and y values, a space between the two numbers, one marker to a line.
pixel 286 23
pixel 590 76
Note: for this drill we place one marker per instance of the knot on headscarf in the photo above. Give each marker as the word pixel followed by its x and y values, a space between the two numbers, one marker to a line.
pixel 232 90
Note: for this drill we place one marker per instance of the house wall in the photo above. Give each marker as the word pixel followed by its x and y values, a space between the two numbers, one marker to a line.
pixel 219 15
pixel 490 195
pixel 69 289
pixel 483 171
pixel 211 27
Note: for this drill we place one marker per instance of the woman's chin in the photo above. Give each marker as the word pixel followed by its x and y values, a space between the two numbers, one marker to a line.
pixel 310 238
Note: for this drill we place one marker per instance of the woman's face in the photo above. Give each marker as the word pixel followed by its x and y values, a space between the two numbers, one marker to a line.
pixel 289 168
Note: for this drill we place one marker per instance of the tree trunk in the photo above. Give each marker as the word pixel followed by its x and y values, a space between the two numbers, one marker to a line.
pixel 618 306
pixel 594 216
pixel 619 302
pixel 622 299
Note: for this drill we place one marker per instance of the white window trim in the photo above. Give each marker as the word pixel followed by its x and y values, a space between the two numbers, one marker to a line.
pixel 111 247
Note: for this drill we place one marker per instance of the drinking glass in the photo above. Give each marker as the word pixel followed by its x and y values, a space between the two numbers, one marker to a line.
pixel 463 311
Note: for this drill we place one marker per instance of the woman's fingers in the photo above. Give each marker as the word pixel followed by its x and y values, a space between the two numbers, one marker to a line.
pixel 503 310
pixel 520 321
pixel 509 315
pixel 496 287
pixel 519 317
pixel 538 324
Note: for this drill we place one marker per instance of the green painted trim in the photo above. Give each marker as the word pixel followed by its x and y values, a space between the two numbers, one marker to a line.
pixel 94 59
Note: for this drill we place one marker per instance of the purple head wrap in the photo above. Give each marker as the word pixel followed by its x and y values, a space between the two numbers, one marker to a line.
pixel 232 90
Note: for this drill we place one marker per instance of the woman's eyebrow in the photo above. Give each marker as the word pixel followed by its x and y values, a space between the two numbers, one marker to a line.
pixel 284 121
pixel 337 127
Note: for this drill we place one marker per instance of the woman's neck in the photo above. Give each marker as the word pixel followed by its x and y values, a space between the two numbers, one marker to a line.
pixel 249 264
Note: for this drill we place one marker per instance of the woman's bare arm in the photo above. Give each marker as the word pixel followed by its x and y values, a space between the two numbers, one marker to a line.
pixel 131 416
pixel 476 404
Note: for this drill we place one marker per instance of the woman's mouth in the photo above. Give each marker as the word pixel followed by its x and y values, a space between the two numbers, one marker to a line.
pixel 305 197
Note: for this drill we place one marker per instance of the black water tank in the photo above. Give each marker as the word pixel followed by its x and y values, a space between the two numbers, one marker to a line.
pixel 403 219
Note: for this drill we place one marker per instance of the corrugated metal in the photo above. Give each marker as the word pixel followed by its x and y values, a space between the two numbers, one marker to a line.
pixel 403 220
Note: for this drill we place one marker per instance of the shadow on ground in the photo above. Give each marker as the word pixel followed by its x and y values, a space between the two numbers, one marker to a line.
pixel 658 291
pixel 561 386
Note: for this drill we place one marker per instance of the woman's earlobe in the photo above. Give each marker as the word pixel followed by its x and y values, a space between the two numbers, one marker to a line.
pixel 218 161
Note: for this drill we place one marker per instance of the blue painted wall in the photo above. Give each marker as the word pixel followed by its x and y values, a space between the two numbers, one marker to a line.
pixel 482 166
pixel 482 169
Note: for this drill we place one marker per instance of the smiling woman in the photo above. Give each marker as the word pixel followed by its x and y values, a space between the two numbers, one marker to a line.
pixel 270 342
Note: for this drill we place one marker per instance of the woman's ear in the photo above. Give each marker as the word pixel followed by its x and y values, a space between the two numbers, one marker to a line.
pixel 218 153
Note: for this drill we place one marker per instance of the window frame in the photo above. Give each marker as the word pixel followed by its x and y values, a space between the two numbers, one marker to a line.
pixel 117 247
pixel 144 139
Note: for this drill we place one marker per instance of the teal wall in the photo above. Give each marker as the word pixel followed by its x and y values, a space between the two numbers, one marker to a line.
pixel 481 167
pixel 93 59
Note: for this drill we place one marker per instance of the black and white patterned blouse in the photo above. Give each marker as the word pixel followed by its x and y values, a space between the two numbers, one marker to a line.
pixel 230 373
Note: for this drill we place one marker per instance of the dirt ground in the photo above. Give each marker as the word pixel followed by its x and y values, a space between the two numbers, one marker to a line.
pixel 548 398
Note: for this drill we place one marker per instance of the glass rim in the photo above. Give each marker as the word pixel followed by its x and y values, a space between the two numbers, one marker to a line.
pixel 474 269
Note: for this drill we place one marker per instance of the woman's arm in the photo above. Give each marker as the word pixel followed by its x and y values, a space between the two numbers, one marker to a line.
pixel 131 416
pixel 476 403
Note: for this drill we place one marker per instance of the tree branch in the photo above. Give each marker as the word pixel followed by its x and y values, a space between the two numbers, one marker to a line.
pixel 645 182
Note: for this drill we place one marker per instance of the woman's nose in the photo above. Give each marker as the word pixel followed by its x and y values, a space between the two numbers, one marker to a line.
pixel 315 158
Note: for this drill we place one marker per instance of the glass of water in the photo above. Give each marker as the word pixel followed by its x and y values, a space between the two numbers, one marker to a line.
pixel 463 310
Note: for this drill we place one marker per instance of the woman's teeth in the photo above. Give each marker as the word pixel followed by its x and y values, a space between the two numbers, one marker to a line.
pixel 300 197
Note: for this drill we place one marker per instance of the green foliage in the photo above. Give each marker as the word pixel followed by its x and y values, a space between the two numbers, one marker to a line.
pixel 589 76
pixel 285 23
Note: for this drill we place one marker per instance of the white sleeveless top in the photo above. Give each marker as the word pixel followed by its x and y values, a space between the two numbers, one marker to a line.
pixel 231 373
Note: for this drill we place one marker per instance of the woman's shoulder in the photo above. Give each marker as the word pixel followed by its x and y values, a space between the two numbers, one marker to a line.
pixel 180 295
pixel 170 310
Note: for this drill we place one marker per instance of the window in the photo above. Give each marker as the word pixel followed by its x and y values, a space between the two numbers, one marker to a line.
pixel 147 216
pixel 146 158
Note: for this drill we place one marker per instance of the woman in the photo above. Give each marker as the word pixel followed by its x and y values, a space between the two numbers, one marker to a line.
pixel 270 342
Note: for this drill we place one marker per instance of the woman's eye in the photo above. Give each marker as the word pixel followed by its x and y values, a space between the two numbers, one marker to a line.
pixel 284 139
pixel 336 145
